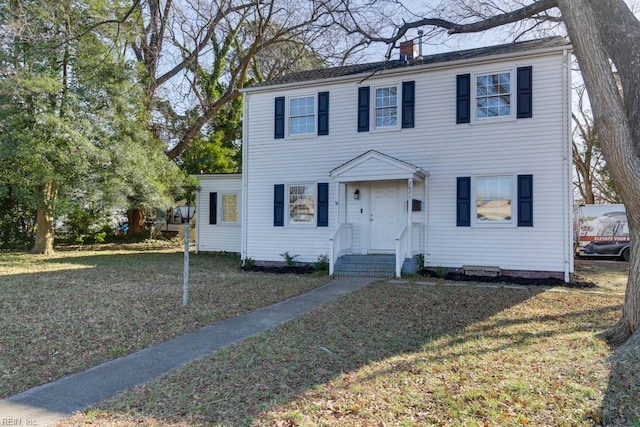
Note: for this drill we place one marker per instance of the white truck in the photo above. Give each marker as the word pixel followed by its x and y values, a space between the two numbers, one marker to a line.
pixel 603 231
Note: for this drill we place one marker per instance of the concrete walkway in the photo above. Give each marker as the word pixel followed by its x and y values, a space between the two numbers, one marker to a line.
pixel 46 404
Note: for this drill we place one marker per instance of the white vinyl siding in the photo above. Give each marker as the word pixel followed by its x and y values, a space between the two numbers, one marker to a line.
pixel 438 146
pixel 225 236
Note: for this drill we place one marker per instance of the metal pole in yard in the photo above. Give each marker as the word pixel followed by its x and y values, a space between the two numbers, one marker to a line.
pixel 186 212
pixel 185 284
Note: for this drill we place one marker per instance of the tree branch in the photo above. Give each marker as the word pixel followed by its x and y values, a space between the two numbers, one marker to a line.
pixel 90 28
pixel 474 27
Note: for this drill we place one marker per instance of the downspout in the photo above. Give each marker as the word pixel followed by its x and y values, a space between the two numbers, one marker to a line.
pixel 409 218
pixel 425 221
pixel 245 176
pixel 568 200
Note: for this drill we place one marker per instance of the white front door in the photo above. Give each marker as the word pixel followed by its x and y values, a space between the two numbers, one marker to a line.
pixel 386 216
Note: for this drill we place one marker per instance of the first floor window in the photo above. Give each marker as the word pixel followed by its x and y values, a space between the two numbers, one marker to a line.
pixel 302 116
pixel 386 107
pixel 229 208
pixel 494 196
pixel 302 204
pixel 493 95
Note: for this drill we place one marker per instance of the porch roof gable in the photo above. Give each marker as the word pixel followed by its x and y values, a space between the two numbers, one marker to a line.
pixel 376 166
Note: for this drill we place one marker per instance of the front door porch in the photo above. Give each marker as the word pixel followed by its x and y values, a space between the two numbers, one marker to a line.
pixel 386 216
pixel 376 208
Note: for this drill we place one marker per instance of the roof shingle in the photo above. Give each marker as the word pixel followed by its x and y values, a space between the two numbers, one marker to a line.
pixel 370 68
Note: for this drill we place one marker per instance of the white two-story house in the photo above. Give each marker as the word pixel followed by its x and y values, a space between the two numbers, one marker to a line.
pixel 460 159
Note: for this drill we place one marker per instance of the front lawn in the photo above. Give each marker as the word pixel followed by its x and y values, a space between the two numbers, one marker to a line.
pixel 401 354
pixel 80 307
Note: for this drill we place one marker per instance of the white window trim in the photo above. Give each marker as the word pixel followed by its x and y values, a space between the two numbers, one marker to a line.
pixel 398 107
pixel 314 187
pixel 288 116
pixel 474 97
pixel 512 223
pixel 221 208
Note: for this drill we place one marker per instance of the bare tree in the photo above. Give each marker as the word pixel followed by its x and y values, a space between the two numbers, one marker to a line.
pixel 185 46
pixel 196 55
pixel 602 34
pixel 592 180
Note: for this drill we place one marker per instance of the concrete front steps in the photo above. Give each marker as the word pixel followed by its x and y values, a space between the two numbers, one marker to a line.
pixel 372 265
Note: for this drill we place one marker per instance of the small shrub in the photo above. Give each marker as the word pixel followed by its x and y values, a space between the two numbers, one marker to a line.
pixel 99 237
pixel 420 260
pixel 289 259
pixel 441 271
pixel 322 264
pixel 248 263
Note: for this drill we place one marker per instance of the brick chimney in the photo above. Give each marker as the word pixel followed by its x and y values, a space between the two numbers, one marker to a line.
pixel 408 50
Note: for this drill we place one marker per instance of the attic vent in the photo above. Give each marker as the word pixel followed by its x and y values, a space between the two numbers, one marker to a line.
pixel 408 50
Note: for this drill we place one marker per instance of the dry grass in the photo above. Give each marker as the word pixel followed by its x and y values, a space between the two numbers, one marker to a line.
pixel 609 275
pixel 399 355
pixel 78 308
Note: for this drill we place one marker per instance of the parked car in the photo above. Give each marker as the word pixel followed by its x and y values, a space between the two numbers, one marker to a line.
pixel 603 230
pixel 610 248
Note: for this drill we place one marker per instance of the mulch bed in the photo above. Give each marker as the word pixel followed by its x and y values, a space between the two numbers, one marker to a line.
pixel 524 281
pixel 281 269
pixel 456 277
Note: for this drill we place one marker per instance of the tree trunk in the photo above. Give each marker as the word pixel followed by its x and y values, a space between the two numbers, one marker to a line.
pixel 136 218
pixel 44 224
pixel 583 20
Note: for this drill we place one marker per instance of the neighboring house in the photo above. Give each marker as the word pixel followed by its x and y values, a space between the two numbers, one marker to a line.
pixel 219 213
pixel 462 157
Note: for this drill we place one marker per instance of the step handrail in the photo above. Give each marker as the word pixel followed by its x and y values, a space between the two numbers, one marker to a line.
pixel 339 243
pixel 401 248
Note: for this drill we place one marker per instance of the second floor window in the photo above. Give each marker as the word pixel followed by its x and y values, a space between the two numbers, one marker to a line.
pixel 386 107
pixel 493 95
pixel 302 116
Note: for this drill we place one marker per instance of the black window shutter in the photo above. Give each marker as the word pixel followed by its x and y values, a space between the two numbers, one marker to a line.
pixel 363 109
pixel 278 205
pixel 408 104
pixel 213 208
pixel 525 200
pixel 323 204
pixel 525 90
pixel 463 98
pixel 463 202
pixel 279 118
pixel 323 113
